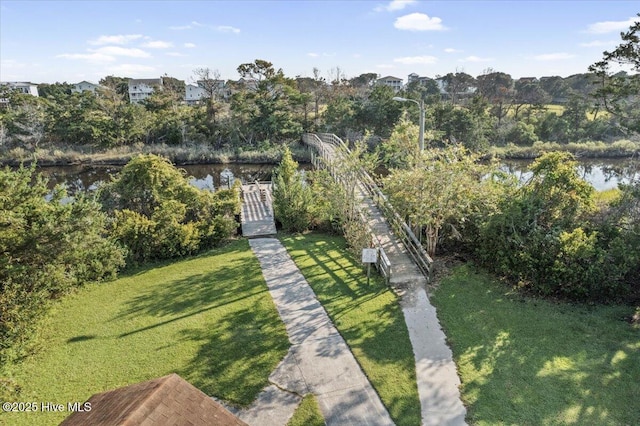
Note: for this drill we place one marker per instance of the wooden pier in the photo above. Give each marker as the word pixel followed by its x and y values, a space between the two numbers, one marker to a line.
pixel 257 210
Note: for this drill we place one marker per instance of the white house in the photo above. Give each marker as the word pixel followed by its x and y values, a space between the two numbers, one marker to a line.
pixel 141 89
pixel 194 93
pixel 85 86
pixel 394 82
pixel 22 87
pixel 18 86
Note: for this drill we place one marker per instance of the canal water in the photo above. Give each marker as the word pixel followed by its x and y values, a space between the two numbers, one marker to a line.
pixel 204 176
pixel 602 174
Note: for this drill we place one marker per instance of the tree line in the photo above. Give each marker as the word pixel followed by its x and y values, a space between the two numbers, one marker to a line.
pixel 491 109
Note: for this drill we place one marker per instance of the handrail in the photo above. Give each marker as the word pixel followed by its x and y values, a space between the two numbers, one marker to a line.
pixel 398 225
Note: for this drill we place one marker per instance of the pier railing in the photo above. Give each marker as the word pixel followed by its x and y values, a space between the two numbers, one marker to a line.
pixel 323 158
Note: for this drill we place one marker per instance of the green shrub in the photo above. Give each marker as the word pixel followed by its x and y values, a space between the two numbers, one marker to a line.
pixel 292 197
pixel 48 248
pixel 157 214
pixel 539 238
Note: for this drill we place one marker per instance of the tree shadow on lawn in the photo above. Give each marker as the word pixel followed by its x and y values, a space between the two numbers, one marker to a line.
pixel 237 354
pixel 371 321
pixel 326 254
pixel 536 362
pixel 234 281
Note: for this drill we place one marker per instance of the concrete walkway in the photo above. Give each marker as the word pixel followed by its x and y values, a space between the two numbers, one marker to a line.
pixel 436 373
pixel 319 361
pixel 437 376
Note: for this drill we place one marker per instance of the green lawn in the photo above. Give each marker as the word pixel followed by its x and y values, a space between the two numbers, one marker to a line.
pixel 368 317
pixel 209 318
pixel 308 413
pixel 532 362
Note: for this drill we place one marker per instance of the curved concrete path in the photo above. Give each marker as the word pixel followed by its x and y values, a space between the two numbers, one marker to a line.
pixel 319 360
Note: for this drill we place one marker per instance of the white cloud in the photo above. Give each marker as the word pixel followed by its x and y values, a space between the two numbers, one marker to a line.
pixel 452 50
pixel 611 26
pixel 474 58
pixel 190 26
pixel 410 60
pixel 157 44
pixel 115 39
pixel 312 54
pixel 553 56
pixel 189 45
pixel 394 5
pixel 121 51
pixel 90 57
pixel 176 54
pixel 419 22
pixel 228 29
pixel 599 43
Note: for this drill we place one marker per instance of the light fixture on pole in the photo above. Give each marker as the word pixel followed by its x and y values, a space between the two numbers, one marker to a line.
pixel 421 105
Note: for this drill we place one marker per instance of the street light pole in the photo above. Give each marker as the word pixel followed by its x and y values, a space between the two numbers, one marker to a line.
pixel 421 105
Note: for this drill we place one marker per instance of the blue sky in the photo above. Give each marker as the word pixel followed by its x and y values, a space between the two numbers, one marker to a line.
pixel 49 41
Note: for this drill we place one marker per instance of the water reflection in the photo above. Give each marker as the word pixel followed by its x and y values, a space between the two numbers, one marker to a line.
pixel 204 176
pixel 602 174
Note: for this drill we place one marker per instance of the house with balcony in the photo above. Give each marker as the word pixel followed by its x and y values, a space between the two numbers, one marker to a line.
pixel 394 82
pixel 18 86
pixel 140 89
pixel 22 87
pixel 415 78
pixel 194 94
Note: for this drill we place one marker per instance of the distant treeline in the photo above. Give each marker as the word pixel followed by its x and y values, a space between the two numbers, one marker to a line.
pixel 492 109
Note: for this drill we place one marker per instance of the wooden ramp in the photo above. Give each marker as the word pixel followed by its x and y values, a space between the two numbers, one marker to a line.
pixel 257 210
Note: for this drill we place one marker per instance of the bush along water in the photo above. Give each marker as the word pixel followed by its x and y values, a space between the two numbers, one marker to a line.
pixel 550 238
pixel 157 214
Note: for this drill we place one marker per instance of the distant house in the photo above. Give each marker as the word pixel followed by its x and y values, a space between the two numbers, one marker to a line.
pixel 193 94
pixel 85 86
pixel 22 87
pixel 220 88
pixel 394 82
pixel 18 86
pixel 413 77
pixel 141 89
pixel 169 400
pixel 249 83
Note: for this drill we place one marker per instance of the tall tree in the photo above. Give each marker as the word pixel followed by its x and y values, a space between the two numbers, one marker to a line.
pixel 497 88
pixel 119 84
pixel 457 84
pixel 265 112
pixel 528 95
pixel 620 93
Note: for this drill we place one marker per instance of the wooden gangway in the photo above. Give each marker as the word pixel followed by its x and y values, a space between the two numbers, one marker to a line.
pixel 257 210
pixel 402 258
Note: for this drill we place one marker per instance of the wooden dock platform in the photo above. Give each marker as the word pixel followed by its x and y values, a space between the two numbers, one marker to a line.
pixel 257 211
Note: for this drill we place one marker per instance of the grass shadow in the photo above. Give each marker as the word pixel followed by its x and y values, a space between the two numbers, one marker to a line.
pixel 368 316
pixel 526 361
